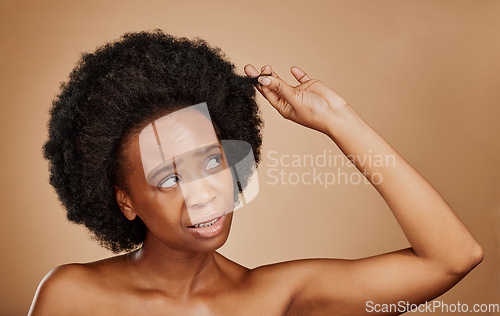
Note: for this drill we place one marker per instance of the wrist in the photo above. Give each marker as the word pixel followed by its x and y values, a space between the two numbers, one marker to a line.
pixel 344 121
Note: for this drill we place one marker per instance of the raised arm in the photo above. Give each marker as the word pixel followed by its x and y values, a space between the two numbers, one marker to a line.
pixel 442 250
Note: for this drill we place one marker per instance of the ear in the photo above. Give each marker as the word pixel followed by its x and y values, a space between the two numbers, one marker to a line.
pixel 125 204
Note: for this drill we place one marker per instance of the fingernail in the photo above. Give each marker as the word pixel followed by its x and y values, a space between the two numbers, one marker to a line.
pixel 265 81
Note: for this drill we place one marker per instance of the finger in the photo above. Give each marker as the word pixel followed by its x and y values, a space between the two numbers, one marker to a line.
pixel 279 86
pixel 250 71
pixel 266 70
pixel 299 74
pixel 269 94
pixel 284 94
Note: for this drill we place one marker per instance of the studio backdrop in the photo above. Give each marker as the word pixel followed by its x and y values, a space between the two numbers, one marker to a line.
pixel 424 74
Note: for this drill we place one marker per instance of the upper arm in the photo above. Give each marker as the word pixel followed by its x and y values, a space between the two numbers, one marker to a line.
pixel 352 287
pixel 57 292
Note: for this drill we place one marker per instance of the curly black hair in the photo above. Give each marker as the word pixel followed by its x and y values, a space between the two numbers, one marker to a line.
pixel 115 91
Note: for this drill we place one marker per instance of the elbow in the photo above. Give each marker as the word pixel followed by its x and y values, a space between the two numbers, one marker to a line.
pixel 467 260
pixel 477 256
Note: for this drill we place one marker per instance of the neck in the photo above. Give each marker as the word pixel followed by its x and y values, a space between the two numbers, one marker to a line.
pixel 174 272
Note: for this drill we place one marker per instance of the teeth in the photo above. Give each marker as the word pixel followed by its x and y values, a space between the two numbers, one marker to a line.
pixel 206 224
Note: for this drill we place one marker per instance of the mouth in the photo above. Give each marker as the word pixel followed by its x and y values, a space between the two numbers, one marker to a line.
pixel 209 228
pixel 205 224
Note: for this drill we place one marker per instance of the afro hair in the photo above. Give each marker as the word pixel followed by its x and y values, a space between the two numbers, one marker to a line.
pixel 113 92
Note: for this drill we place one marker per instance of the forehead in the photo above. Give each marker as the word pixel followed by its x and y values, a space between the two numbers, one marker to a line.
pixel 173 135
pixel 177 133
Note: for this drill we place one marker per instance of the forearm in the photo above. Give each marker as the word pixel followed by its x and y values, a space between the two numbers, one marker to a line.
pixel 430 225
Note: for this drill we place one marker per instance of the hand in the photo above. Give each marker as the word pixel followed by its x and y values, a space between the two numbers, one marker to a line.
pixel 311 103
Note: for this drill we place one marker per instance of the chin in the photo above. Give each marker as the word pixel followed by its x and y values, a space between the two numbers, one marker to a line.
pixel 210 244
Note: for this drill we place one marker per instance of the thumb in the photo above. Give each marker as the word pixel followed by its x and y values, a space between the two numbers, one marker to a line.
pixel 283 90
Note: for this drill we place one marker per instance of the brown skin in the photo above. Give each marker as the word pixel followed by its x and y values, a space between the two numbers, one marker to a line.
pixel 172 276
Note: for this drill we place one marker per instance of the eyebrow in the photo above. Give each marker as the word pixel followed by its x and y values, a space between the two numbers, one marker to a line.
pixel 197 152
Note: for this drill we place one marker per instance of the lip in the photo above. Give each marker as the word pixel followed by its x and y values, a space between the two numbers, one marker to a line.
pixel 206 218
pixel 210 231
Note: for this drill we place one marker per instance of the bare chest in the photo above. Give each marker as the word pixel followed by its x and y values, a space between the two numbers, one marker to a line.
pixel 243 301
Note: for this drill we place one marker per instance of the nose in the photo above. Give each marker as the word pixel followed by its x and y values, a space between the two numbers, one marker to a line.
pixel 198 193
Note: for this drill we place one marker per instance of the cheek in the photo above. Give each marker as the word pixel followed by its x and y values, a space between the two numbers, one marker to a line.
pixel 226 187
pixel 162 209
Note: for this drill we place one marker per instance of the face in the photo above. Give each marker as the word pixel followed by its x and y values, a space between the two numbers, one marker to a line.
pixel 180 184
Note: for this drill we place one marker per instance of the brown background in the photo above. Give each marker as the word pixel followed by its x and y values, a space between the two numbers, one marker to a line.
pixel 425 74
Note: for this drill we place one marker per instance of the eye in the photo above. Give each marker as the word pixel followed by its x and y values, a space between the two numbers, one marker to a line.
pixel 169 182
pixel 214 162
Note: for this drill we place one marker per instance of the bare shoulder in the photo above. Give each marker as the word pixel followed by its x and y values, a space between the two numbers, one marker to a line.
pixel 70 287
pixel 58 289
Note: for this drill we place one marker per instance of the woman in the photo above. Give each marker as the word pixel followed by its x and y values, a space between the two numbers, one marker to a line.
pixel 100 171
